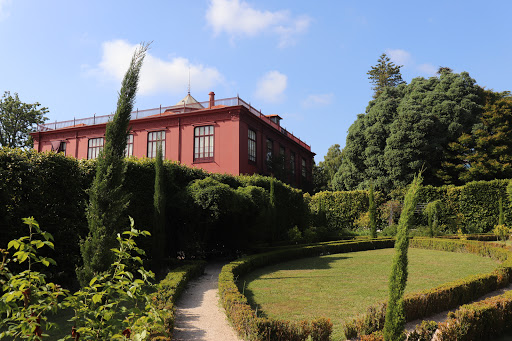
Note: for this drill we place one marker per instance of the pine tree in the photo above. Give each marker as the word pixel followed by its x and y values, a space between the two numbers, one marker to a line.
pixel 384 74
pixel 395 316
pixel 159 230
pixel 373 213
pixel 106 212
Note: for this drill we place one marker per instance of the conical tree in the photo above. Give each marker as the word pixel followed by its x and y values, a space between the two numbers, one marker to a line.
pixel 373 213
pixel 384 74
pixel 159 231
pixel 395 315
pixel 106 211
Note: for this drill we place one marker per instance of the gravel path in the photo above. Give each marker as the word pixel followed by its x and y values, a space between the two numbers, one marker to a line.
pixel 199 315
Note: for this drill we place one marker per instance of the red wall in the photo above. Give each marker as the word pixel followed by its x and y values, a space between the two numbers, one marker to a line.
pixel 231 126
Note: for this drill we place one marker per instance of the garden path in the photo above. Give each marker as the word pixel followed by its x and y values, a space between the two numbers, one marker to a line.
pixel 442 317
pixel 199 316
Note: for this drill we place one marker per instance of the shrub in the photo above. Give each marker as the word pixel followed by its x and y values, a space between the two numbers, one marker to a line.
pixel 502 232
pixel 423 332
pixel 294 235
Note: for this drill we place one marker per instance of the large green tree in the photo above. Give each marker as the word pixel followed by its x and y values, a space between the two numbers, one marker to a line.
pixel 331 163
pixel 407 129
pixel 384 74
pixel 18 119
pixel 485 153
pixel 106 212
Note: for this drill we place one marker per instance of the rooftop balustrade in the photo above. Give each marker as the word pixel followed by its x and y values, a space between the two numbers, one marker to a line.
pixel 138 114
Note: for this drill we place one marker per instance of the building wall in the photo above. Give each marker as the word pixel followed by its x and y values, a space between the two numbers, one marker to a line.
pixel 230 124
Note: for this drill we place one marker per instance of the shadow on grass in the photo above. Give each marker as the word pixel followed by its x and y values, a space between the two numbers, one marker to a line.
pixel 305 264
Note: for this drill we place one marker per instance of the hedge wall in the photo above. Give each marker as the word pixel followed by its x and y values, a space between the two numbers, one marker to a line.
pixel 244 319
pixel 341 209
pixel 473 208
pixel 446 296
pixel 53 189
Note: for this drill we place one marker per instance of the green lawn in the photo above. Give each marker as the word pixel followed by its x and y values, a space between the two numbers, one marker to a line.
pixel 341 286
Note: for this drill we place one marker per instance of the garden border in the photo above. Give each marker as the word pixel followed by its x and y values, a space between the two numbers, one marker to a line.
pixel 245 320
pixel 443 297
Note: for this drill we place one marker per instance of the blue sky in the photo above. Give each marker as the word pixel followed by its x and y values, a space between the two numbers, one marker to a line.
pixel 304 60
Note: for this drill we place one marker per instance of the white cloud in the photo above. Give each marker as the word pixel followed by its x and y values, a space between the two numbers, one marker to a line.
pixel 398 56
pixel 271 87
pixel 237 18
pixel 4 8
pixel 428 69
pixel 318 100
pixel 402 57
pixel 157 75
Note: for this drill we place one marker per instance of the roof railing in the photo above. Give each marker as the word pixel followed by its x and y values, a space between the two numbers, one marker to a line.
pixel 137 114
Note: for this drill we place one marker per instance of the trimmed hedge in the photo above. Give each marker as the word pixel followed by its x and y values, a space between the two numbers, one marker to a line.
pixel 244 319
pixel 478 321
pixel 53 188
pixel 446 296
pixel 476 204
pixel 341 209
pixel 168 291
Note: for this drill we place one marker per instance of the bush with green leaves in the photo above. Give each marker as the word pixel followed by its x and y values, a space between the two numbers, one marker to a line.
pixel 27 297
pixel 116 300
pixel 115 304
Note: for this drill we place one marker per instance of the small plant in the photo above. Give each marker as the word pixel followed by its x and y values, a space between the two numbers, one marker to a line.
pixel 432 211
pixel 363 222
pixel 423 332
pixel 294 234
pixel 502 232
pixel 461 235
pixel 27 297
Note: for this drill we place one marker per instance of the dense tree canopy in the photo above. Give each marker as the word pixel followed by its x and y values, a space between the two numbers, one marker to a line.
pixel 329 167
pixel 485 153
pixel 384 74
pixel 17 119
pixel 408 129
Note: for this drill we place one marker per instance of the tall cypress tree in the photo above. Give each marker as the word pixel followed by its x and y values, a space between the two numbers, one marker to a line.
pixel 159 233
pixel 373 213
pixel 395 316
pixel 273 210
pixel 106 212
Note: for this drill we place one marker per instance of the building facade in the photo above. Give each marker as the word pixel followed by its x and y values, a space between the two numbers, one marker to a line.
pixel 221 136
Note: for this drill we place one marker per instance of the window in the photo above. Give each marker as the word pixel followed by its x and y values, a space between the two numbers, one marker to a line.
pixel 252 145
pixel 304 167
pixel 94 147
pixel 270 149
pixel 156 139
pixel 62 147
pixel 203 144
pixel 292 163
pixel 282 156
pixel 129 146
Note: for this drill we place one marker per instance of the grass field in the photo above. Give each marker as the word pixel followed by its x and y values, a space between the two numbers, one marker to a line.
pixel 341 286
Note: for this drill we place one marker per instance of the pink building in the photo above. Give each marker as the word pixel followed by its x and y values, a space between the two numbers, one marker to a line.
pixel 221 136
